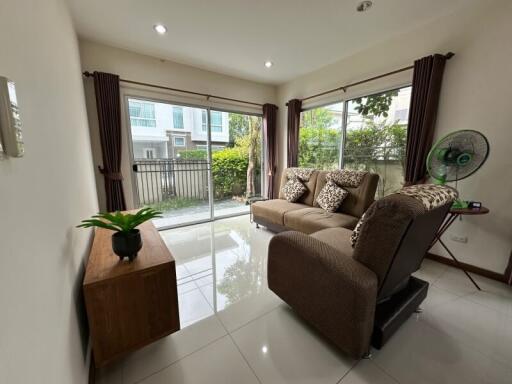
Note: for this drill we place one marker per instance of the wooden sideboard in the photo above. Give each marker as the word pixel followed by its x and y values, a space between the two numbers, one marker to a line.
pixel 129 304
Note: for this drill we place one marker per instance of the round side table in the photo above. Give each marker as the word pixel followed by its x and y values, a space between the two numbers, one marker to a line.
pixel 452 215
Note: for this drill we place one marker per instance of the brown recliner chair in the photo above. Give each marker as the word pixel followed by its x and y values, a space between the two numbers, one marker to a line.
pixel 361 295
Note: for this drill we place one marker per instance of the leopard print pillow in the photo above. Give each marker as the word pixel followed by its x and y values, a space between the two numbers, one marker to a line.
pixel 331 196
pixel 430 195
pixel 346 177
pixel 303 174
pixel 293 190
pixel 357 230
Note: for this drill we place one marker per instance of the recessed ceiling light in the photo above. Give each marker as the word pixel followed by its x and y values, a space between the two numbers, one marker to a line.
pixel 268 63
pixel 364 6
pixel 160 28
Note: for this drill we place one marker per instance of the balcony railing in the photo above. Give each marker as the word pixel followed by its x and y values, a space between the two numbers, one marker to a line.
pixel 159 180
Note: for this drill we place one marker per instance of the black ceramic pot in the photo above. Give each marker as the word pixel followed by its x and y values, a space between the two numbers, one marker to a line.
pixel 127 244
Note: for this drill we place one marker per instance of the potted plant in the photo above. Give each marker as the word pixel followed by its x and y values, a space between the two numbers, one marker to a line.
pixel 126 241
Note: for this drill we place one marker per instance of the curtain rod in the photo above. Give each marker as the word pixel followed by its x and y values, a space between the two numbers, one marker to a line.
pixel 344 88
pixel 208 96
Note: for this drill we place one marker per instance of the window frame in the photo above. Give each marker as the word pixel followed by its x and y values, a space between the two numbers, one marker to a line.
pixel 149 150
pixel 212 125
pixel 344 120
pixel 323 105
pixel 129 94
pixel 176 108
pixel 179 137
pixel 151 121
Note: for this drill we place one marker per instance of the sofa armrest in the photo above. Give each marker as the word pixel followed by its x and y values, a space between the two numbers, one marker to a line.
pixel 330 290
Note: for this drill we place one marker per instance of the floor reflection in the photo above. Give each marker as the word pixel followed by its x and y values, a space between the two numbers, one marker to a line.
pixel 217 264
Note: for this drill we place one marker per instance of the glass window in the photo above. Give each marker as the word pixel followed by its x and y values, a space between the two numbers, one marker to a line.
pixel 142 114
pixel 204 120
pixel 179 141
pixel 135 108
pixel 376 136
pixel 216 121
pixel 149 153
pixel 320 137
pixel 177 117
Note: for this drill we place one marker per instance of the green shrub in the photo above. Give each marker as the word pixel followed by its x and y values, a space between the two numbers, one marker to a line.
pixel 229 168
pixel 193 154
pixel 175 203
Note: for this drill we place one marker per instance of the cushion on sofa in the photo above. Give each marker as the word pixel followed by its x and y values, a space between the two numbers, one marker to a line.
pixel 331 196
pixel 293 189
pixel 358 199
pixel 303 174
pixel 357 230
pixel 347 177
pixel 273 211
pixel 338 238
pixel 308 197
pixel 309 220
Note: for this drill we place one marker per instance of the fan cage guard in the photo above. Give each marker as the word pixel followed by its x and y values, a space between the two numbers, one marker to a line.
pixel 458 143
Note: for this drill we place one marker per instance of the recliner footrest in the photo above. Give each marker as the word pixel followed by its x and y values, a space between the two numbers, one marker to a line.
pixel 391 314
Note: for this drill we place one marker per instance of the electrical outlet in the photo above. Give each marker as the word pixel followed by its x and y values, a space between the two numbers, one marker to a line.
pixel 459 239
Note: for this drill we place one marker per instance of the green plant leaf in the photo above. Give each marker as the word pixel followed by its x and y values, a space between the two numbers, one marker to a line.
pixel 121 222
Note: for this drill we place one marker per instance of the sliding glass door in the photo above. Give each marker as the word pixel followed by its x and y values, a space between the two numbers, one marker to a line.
pixel 236 161
pixel 170 160
pixel 193 163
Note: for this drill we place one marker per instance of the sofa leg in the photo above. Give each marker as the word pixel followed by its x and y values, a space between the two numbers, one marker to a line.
pixel 367 355
pixel 257 226
pixel 418 310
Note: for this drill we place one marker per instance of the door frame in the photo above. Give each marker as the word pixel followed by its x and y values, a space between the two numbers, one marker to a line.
pixel 135 192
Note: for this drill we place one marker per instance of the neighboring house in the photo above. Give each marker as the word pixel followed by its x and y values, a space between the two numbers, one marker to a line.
pixel 162 131
pixel 398 111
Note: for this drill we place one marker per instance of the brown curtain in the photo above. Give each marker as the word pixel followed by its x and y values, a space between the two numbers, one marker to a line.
pixel 108 105
pixel 426 87
pixel 269 134
pixel 294 108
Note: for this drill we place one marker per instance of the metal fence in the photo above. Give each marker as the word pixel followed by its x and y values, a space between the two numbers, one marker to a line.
pixel 159 180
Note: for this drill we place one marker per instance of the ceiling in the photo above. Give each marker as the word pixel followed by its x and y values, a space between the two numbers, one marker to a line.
pixel 236 37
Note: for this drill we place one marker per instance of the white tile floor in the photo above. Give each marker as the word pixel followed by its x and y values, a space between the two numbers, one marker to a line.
pixel 235 330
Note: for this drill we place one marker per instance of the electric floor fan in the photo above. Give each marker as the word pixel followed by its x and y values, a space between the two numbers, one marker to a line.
pixel 456 156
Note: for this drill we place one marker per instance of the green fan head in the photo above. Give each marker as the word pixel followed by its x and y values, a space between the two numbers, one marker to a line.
pixel 457 156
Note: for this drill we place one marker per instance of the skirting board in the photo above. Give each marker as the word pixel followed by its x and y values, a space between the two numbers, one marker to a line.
pixel 504 278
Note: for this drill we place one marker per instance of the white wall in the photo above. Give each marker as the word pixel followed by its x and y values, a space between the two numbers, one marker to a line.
pixel 133 66
pixel 476 95
pixel 43 196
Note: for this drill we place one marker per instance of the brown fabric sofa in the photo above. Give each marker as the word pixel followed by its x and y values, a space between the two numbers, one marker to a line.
pixel 356 295
pixel 306 215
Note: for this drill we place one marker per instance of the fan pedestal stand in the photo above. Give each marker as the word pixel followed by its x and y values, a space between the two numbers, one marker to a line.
pixel 450 218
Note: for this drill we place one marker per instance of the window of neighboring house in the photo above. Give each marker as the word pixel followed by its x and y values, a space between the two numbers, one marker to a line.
pixel 149 153
pixel 177 117
pixel 179 141
pixel 402 114
pixel 142 114
pixel 204 120
pixel 320 137
pixel 216 121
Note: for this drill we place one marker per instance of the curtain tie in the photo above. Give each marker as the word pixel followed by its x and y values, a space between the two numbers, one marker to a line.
pixel 110 175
